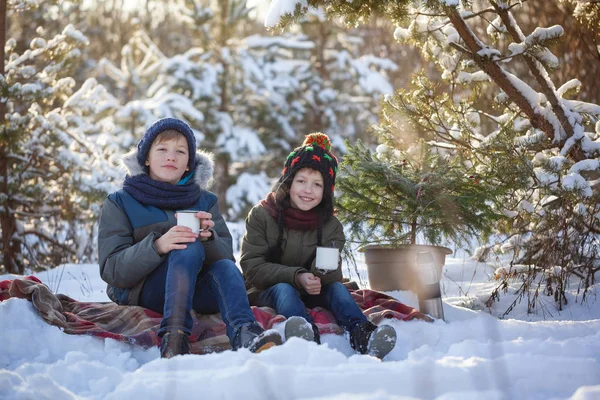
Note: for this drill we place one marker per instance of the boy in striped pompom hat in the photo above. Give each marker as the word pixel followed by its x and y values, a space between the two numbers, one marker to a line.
pixel 278 254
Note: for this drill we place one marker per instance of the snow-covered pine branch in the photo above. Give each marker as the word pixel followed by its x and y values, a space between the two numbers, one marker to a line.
pixel 56 168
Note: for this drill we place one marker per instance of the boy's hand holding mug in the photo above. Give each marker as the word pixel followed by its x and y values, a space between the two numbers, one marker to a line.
pixel 206 224
pixel 199 222
pixel 175 239
pixel 191 224
pixel 310 283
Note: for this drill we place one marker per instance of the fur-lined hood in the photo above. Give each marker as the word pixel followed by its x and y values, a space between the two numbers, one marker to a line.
pixel 205 166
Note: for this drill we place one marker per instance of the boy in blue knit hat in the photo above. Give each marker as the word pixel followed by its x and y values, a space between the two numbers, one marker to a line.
pixel 148 260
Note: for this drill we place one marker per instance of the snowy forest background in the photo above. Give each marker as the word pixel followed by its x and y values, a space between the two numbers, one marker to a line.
pixel 510 86
pixel 84 80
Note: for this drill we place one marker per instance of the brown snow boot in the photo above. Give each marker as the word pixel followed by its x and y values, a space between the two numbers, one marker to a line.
pixel 174 343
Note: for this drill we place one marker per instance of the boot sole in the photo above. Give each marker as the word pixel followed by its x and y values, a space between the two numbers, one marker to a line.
pixel 299 327
pixel 264 347
pixel 265 341
pixel 382 341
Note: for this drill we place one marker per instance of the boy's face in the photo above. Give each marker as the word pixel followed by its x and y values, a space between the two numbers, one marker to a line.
pixel 167 160
pixel 306 191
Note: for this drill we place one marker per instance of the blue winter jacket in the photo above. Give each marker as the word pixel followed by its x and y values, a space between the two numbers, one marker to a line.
pixel 128 230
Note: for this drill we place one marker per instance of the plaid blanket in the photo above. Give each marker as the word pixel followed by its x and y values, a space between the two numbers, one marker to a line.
pixel 138 325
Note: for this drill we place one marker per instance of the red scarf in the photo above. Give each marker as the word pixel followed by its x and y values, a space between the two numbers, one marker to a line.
pixel 293 218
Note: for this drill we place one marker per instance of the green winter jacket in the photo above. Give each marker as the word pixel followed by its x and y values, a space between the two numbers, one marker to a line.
pixel 298 252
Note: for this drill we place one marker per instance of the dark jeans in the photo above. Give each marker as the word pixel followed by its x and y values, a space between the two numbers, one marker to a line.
pixel 182 283
pixel 288 301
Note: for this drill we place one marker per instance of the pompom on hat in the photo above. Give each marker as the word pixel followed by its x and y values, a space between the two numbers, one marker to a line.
pixel 160 126
pixel 314 153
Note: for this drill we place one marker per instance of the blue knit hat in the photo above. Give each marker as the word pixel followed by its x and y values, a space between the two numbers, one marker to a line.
pixel 160 126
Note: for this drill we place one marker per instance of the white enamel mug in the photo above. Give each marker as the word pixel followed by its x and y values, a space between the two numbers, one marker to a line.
pixel 186 218
pixel 327 258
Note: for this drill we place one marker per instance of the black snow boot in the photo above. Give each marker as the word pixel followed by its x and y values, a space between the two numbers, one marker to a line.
pixel 368 338
pixel 174 343
pixel 300 327
pixel 316 333
pixel 255 338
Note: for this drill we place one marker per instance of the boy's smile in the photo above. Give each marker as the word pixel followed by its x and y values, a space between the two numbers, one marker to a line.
pixel 306 191
pixel 168 159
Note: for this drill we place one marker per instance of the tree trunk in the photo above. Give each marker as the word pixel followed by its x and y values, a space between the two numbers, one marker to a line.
pixel 8 221
pixel 221 174
pixel 223 37
pixel 321 41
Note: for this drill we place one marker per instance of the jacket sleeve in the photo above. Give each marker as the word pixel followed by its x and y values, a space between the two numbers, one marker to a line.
pixel 257 270
pixel 220 247
pixel 122 263
pixel 337 237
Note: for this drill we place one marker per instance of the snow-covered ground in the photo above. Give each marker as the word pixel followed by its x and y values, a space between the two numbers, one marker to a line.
pixel 473 355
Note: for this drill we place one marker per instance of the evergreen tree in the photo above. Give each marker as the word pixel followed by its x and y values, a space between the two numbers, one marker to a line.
pixel 422 195
pixel 27 15
pixel 49 182
pixel 146 82
pixel 342 92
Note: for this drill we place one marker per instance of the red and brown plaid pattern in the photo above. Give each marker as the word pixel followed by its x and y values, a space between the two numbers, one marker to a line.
pixel 138 325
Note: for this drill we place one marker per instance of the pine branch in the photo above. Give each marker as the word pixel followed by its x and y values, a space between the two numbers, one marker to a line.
pixel 493 70
pixel 51 240
pixel 547 87
pixel 429 126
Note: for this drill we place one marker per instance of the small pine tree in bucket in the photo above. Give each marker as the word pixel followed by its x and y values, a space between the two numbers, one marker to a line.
pixel 393 199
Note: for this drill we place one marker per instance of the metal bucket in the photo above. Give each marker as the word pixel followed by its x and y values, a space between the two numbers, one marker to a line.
pixel 429 293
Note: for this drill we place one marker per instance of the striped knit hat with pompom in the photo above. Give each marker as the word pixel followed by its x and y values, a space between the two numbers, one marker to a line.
pixel 314 153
